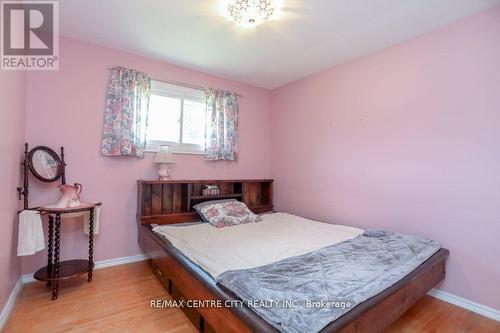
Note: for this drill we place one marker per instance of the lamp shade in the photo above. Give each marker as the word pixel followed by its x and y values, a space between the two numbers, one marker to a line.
pixel 164 155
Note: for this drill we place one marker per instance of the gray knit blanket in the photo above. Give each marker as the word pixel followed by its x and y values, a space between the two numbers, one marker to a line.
pixel 303 294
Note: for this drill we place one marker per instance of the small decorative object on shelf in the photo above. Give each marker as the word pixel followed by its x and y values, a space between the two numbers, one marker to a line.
pixel 164 157
pixel 70 196
pixel 210 190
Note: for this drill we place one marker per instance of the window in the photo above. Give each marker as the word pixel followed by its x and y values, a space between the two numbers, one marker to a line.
pixel 176 118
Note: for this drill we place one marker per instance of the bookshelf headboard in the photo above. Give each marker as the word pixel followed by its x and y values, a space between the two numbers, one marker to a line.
pixel 172 201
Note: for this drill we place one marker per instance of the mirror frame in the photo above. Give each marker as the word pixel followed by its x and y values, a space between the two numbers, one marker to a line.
pixel 54 155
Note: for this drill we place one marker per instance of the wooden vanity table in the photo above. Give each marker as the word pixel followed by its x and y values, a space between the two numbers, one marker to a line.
pixel 55 270
pixel 46 165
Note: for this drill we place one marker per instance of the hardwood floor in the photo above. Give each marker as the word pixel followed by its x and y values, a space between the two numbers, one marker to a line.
pixel 118 300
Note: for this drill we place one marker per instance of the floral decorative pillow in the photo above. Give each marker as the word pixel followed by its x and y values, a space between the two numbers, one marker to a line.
pixel 226 213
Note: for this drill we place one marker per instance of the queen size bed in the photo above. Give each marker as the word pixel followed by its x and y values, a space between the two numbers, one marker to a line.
pixel 236 266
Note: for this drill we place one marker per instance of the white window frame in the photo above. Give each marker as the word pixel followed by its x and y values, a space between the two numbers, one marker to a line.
pixel 175 91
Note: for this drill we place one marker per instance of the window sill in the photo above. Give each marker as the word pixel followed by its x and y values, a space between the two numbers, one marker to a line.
pixel 180 152
pixel 175 148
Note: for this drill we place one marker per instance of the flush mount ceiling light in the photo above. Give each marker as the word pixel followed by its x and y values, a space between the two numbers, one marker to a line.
pixel 250 13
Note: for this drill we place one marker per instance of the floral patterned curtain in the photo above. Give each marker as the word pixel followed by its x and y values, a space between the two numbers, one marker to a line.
pixel 126 115
pixel 221 126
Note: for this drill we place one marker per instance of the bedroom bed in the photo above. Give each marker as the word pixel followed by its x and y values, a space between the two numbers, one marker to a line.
pixel 185 279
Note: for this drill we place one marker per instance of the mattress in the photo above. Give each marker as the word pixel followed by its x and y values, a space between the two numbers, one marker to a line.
pixel 277 237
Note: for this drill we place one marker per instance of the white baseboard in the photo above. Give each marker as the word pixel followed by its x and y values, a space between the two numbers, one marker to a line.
pixel 9 305
pixel 26 278
pixel 120 261
pixel 466 304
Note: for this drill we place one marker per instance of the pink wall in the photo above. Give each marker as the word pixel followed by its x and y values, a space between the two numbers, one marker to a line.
pixel 12 126
pixel 66 107
pixel 406 139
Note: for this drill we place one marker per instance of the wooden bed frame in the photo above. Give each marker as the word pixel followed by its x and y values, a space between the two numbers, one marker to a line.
pixel 185 280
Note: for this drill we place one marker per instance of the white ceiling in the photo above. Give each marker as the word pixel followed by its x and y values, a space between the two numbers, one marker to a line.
pixel 310 36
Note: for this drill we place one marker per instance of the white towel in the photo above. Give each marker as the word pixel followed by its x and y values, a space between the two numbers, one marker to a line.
pixel 86 220
pixel 30 236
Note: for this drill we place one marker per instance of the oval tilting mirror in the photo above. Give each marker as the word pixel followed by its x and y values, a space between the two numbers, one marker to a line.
pixel 45 164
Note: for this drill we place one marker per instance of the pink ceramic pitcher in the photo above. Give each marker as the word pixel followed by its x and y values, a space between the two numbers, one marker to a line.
pixel 70 196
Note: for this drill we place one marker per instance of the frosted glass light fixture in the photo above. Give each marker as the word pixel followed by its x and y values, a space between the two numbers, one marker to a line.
pixel 250 13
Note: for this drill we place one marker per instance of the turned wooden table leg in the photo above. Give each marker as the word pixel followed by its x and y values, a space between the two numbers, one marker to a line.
pixel 55 284
pixel 49 249
pixel 91 243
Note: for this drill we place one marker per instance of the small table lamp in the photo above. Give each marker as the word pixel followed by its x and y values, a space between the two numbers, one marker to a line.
pixel 164 157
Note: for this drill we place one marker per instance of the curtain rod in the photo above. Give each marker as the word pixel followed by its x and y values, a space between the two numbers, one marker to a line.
pixel 178 83
pixel 183 84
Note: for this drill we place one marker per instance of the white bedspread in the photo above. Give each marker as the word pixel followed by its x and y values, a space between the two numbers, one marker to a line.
pixel 277 237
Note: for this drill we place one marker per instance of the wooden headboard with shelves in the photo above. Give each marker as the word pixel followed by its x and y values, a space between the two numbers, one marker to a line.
pixel 172 201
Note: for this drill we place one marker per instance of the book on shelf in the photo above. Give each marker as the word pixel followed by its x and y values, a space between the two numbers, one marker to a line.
pixel 209 190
